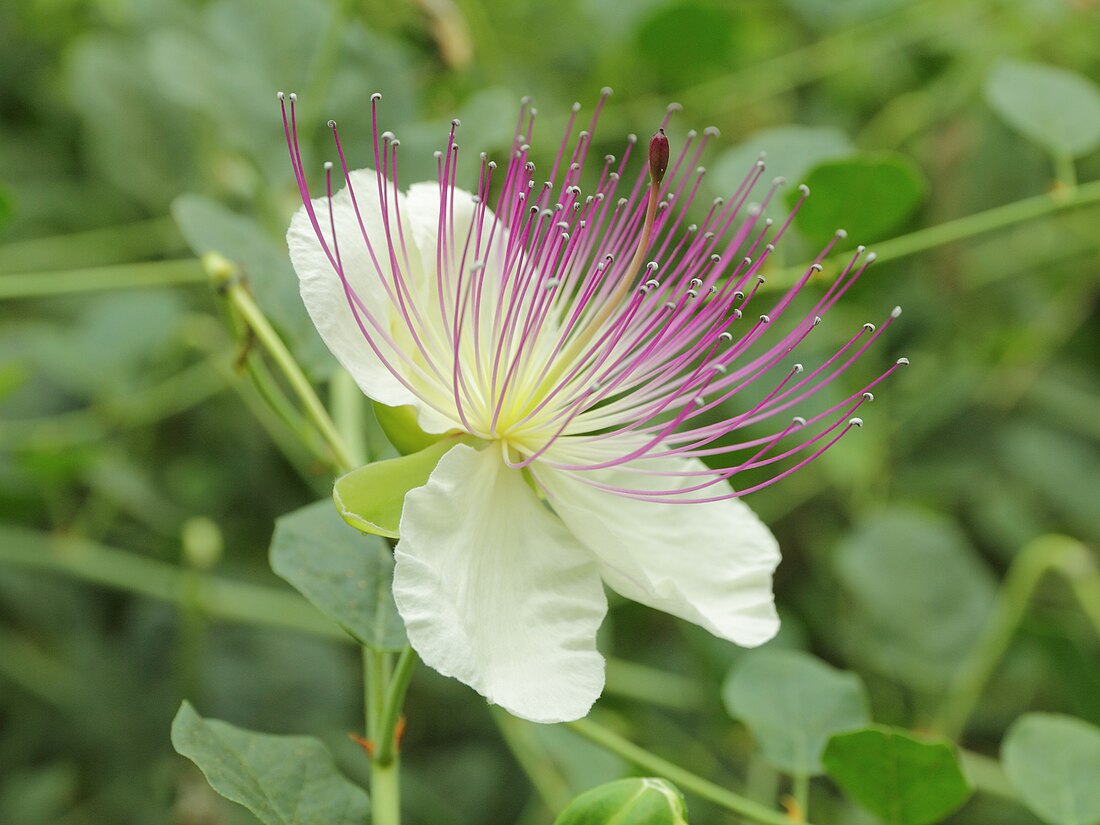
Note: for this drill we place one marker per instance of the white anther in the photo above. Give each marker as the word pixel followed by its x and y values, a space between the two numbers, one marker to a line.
pixel 780 181
pixel 746 261
pixel 280 96
pixel 708 236
pixel 456 122
pixel 562 224
pixel 855 422
pixel 529 166
pixel 860 249
pixel 331 123
pixel 754 210
pixel 652 283
pixel 651 266
pixel 712 131
pixel 327 165
pixel 895 312
pixel 700 170
pixel 903 362
pixel 698 402
pixel 870 327
pixel 670 305
pixel 293 97
pixel 551 283
pixel 725 336
pixel 492 164
pixel 374 98
pixel 868 397
pixel 760 279
pixel 719 201
pixel 693 227
pixel 769 247
pixel 715 258
pixel 607 91
pixel 764 319
pixel 738 295
pixel 817 320
pixel 691 293
pixel 760 162
pixel 437 154
pixel 842 233
pixel 872 257
pixel 713 290
pixel 575 191
pixel 737 314
pixel 387 136
pixel 797 369
pixel 621 202
pixel 609 159
pixel 817 267
pixel 695 283
pixel 632 138
pixel 718 367
pixel 798 421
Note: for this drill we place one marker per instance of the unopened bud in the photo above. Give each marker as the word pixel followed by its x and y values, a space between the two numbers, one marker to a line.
pixel 658 156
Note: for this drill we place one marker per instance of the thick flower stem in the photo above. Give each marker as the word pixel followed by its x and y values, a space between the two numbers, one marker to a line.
pixel 1051 553
pixel 101 278
pixel 687 781
pixel 226 278
pixel 384 696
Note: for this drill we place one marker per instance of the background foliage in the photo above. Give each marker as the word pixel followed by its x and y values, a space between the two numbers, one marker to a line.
pixel 141 474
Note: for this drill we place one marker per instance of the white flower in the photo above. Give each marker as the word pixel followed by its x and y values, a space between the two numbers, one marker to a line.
pixel 588 384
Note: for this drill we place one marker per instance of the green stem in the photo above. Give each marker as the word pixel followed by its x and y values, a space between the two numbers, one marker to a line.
pixel 687 781
pixel 386 742
pixel 1042 555
pixel 219 599
pixel 800 791
pixel 99 278
pixel 550 786
pixel 385 797
pixel 94 247
pixel 999 217
pixel 225 276
pixel 1065 170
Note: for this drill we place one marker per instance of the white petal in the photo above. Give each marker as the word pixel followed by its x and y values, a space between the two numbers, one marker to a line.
pixel 328 306
pixel 711 563
pixel 496 592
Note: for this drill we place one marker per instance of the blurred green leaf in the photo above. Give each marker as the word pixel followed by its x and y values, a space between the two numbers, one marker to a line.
pixel 139 141
pixel 1054 762
pixel 371 497
pixel 627 802
pixel 905 780
pixel 283 780
pixel 868 195
pixel 919 595
pixel 792 703
pixel 1056 108
pixel 791 151
pixel 684 42
pixel 210 227
pixel 347 575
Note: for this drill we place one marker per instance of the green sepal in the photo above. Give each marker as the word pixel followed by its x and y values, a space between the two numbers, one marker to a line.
pixel 400 426
pixel 639 801
pixel 370 498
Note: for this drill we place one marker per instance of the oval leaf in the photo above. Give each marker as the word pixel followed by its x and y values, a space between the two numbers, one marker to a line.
pixel 283 780
pixel 1058 109
pixel 790 152
pixel 347 575
pixel 627 802
pixel 867 195
pixel 370 498
pixel 904 780
pixel 1054 762
pixel 793 703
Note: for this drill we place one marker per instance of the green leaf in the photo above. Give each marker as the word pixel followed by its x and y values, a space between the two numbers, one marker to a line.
pixel 208 226
pixel 918 595
pixel 348 576
pixel 283 780
pixel 627 802
pixel 904 780
pixel 7 204
pixel 867 195
pixel 1056 108
pixel 371 498
pixel 793 703
pixel 1054 762
pixel 791 151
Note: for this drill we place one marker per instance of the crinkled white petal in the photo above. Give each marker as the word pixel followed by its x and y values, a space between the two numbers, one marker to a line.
pixel 328 304
pixel 711 563
pixel 496 592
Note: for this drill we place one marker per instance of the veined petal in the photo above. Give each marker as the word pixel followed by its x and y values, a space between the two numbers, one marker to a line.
pixel 391 348
pixel 711 564
pixel 496 592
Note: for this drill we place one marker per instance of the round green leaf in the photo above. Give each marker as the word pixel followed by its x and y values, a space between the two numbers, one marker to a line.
pixel 283 780
pixel 904 780
pixel 627 802
pixel 793 703
pixel 347 575
pixel 868 195
pixel 790 152
pixel 919 595
pixel 1056 108
pixel 1054 762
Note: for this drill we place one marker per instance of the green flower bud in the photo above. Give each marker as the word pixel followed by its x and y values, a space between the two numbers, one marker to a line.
pixel 641 801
